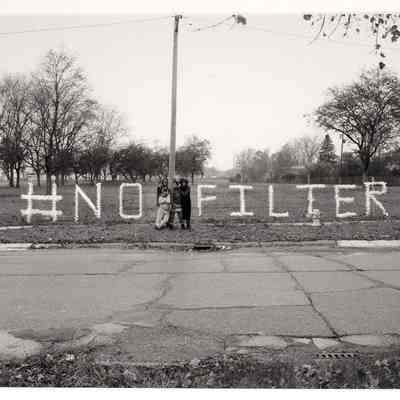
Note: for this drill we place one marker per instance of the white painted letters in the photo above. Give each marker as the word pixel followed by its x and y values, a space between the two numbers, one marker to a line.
pixel 121 198
pixel 271 205
pixel 96 209
pixel 347 200
pixel 310 209
pixel 53 198
pixel 200 199
pixel 242 212
pixel 372 191
pixel 370 195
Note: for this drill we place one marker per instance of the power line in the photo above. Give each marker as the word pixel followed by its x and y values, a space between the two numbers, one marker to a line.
pixel 85 26
pixel 288 34
pixel 309 38
pixel 214 25
pixel 198 29
pixel 301 36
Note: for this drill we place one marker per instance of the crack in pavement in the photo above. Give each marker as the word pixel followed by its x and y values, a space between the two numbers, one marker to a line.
pixel 378 283
pixel 360 272
pixel 169 308
pixel 308 295
pixel 156 313
pixel 340 262
pixel 165 286
pixel 126 267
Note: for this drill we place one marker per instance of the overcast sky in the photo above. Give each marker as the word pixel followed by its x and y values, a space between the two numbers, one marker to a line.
pixel 239 87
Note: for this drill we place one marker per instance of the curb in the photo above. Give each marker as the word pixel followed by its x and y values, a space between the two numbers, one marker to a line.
pixel 14 346
pixel 193 246
pixel 368 243
pixel 280 342
pixel 15 246
pixel 165 245
pixel 15 228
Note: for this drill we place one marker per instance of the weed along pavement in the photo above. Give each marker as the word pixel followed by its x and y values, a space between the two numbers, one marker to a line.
pixel 161 306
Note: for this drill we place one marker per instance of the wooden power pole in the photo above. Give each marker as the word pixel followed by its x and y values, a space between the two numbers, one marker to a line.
pixel 172 147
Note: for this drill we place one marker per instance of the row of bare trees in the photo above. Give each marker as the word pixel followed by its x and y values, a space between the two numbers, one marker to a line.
pixel 49 119
pixel 51 124
pixel 305 152
pixel 137 160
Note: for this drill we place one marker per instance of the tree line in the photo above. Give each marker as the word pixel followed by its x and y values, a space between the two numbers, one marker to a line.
pixel 137 160
pixel 301 156
pixel 366 116
pixel 51 124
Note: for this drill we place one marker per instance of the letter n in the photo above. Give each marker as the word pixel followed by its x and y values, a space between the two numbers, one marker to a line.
pixel 96 209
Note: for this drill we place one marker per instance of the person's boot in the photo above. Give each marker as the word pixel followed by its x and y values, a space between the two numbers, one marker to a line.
pixel 188 226
pixel 183 226
pixel 170 226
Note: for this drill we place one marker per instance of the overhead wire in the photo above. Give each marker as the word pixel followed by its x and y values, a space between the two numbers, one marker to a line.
pixel 214 25
pixel 86 26
pixel 220 23
pixel 323 40
pixel 305 37
pixel 309 39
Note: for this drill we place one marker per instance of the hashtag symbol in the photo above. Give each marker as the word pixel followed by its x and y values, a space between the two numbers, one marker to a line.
pixel 30 197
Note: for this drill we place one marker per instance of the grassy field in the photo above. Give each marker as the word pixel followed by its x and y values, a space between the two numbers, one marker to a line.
pixel 286 198
pixel 214 225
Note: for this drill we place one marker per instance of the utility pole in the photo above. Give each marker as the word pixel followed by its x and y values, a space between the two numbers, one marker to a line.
pixel 341 158
pixel 172 146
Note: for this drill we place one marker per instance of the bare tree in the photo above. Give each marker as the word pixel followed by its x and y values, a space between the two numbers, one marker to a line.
pixel 14 124
pixel 103 133
pixel 61 109
pixel 284 160
pixel 34 152
pixel 192 156
pixel 108 125
pixel 254 165
pixel 366 112
pixel 307 148
pixel 243 163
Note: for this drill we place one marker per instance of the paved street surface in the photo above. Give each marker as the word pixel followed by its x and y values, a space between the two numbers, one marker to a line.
pixel 155 301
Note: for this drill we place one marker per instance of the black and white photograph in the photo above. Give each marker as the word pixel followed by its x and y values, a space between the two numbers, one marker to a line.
pixel 200 198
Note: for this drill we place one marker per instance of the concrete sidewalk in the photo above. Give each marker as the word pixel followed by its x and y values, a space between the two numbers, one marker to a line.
pixel 159 305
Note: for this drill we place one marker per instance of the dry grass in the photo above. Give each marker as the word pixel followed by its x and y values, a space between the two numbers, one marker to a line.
pixel 221 371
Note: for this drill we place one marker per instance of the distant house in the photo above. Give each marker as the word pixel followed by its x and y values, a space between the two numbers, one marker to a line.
pixel 295 174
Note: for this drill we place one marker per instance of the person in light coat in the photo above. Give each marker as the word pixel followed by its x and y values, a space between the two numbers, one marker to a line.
pixel 164 208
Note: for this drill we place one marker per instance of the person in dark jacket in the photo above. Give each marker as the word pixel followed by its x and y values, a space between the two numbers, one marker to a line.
pixel 186 203
pixel 176 206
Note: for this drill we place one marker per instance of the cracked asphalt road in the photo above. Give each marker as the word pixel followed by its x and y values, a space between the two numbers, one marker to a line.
pixel 188 303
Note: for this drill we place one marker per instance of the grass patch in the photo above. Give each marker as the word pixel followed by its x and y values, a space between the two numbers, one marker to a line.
pixel 286 198
pixel 215 224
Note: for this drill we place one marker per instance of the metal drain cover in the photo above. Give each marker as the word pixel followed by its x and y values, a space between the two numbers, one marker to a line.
pixel 205 247
pixel 331 356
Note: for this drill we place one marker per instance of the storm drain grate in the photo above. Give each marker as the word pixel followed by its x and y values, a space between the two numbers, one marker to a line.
pixel 336 355
pixel 203 247
pixel 207 247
